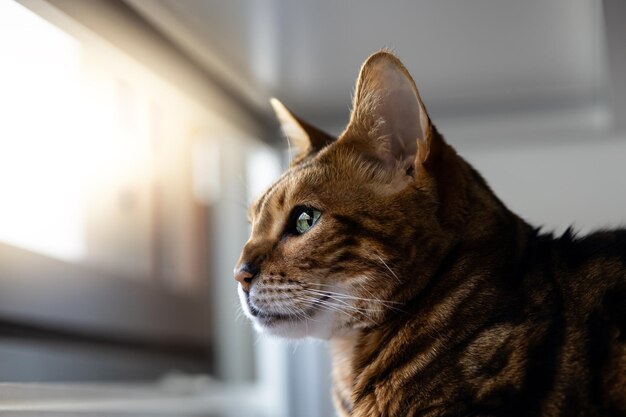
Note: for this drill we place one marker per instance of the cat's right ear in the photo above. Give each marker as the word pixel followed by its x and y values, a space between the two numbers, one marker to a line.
pixel 306 138
pixel 389 120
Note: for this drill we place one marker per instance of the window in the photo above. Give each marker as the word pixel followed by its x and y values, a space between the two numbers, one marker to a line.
pixel 104 230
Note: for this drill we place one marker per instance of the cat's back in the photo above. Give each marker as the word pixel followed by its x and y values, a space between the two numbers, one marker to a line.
pixel 591 273
pixel 592 269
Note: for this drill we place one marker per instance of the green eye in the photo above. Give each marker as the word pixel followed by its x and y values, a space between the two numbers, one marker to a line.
pixel 306 219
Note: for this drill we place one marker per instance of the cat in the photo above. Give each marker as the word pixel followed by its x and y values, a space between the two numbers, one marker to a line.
pixel 436 299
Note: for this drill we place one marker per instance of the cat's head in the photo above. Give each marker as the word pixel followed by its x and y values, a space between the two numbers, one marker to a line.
pixel 340 236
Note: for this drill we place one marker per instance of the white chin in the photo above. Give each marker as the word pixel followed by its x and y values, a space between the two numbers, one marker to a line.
pixel 319 326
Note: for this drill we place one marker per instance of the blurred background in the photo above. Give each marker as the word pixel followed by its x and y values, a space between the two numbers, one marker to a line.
pixel 133 134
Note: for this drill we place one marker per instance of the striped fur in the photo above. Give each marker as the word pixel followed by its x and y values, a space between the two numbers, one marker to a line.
pixel 436 299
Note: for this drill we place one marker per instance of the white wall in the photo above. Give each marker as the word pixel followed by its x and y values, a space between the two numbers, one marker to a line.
pixel 558 184
pixel 554 168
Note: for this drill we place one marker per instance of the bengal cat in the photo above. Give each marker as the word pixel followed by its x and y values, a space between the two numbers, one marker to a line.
pixel 436 299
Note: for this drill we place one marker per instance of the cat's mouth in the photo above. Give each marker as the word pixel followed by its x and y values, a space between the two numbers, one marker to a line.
pixel 268 317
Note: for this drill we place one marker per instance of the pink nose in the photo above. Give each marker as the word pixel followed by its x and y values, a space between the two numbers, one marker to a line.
pixel 244 275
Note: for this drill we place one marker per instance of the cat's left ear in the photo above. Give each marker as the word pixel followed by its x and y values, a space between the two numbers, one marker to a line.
pixel 389 120
pixel 306 138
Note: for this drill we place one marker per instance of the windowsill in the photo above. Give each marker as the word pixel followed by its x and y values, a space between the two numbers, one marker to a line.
pixel 172 396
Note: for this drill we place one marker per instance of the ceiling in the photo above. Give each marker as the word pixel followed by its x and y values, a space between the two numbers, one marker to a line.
pixel 467 57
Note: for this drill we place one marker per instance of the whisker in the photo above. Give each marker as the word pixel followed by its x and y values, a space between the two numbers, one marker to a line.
pixel 390 270
pixel 372 299
pixel 240 316
pixel 354 297
pixel 333 297
pixel 360 284
pixel 360 298
pixel 331 307
pixel 351 307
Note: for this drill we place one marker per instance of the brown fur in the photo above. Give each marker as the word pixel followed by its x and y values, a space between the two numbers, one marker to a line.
pixel 442 302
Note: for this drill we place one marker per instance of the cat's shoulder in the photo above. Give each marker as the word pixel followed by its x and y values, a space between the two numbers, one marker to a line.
pixel 593 263
pixel 604 243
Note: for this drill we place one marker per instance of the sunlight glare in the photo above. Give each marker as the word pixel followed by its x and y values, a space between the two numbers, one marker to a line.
pixel 41 149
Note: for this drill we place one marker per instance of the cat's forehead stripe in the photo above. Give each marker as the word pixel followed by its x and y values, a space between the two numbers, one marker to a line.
pixel 288 175
pixel 269 208
pixel 264 198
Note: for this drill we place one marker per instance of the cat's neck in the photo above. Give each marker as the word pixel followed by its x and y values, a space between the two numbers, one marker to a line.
pixel 456 271
pixel 479 242
pixel 342 353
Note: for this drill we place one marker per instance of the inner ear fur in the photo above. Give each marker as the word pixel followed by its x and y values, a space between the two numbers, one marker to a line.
pixel 306 138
